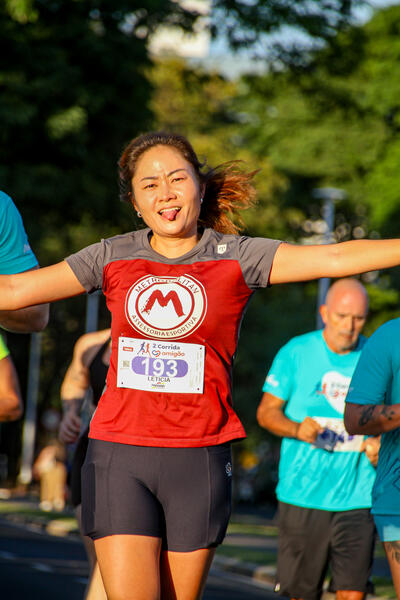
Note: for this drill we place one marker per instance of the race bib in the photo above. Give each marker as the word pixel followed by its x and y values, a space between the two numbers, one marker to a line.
pixel 343 441
pixel 157 366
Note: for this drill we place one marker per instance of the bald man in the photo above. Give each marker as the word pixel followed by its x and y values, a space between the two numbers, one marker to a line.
pixel 325 475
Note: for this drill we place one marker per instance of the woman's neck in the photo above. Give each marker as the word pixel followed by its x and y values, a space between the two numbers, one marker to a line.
pixel 173 247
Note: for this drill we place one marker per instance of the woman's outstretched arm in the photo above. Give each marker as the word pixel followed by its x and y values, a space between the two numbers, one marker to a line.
pixel 38 287
pixel 301 263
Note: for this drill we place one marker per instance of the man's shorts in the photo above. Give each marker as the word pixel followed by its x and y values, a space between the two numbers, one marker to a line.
pixel 388 527
pixel 181 495
pixel 310 540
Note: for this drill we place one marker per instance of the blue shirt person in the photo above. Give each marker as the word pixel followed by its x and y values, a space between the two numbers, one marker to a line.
pixel 325 475
pixel 16 256
pixel 373 408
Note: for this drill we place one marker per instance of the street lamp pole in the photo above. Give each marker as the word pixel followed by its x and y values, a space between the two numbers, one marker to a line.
pixel 328 196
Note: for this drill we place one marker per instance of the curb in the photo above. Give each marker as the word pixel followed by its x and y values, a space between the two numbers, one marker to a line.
pixel 63 526
pixel 265 574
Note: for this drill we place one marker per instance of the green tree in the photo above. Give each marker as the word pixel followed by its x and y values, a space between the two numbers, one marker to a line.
pixel 72 93
pixel 245 24
pixel 335 122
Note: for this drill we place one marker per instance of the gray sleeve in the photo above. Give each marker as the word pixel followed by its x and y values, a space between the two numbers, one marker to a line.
pixel 87 265
pixel 255 257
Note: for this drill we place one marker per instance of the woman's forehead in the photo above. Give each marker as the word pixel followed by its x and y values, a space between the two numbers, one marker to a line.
pixel 160 159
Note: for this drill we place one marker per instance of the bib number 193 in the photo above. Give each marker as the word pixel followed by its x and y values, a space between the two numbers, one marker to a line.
pixel 155 366
pixel 159 367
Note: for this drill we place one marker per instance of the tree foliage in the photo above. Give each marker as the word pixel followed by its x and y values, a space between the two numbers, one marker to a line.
pixel 72 93
pixel 246 24
pixel 77 82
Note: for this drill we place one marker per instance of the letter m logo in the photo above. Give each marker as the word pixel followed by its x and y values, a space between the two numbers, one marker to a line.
pixel 158 296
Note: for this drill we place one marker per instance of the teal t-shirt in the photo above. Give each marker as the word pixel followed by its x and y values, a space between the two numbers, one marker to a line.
pixel 313 381
pixel 15 253
pixel 376 380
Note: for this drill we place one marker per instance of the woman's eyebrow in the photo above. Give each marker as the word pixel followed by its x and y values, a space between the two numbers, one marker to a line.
pixel 168 174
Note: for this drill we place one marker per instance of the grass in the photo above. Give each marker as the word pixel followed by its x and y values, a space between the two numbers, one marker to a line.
pixel 256 530
pixel 384 587
pixel 26 510
pixel 249 555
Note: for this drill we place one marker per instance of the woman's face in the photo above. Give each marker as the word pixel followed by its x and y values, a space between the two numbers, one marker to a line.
pixel 167 193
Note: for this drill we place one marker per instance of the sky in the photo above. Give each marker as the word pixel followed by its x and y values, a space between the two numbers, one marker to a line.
pixel 231 64
pixel 216 54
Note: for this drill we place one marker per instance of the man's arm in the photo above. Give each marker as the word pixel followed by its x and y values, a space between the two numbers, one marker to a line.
pixel 10 395
pixel 77 382
pixel 371 419
pixel 73 391
pixel 366 411
pixel 270 416
pixel 16 256
pixel 25 320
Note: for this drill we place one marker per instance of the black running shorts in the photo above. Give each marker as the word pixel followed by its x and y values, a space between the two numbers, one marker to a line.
pixel 181 495
pixel 310 540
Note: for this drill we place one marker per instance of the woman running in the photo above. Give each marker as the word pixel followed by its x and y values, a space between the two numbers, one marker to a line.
pixel 157 476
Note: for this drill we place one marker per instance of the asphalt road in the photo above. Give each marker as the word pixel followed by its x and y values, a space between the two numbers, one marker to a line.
pixel 38 566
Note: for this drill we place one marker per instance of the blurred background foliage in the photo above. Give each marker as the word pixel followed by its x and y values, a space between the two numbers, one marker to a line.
pixel 77 81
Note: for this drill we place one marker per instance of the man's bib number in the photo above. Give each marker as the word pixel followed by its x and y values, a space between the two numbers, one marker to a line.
pixel 157 366
pixel 344 442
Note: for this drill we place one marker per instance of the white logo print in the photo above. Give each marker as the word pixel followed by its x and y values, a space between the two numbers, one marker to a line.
pixel 334 388
pixel 166 307
pixel 271 380
pixel 221 248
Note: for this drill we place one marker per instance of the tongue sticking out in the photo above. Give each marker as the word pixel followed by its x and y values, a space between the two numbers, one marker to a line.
pixel 170 214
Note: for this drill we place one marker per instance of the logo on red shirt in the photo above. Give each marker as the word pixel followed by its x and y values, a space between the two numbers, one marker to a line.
pixel 166 307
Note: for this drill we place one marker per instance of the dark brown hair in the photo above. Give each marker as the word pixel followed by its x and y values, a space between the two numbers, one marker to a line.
pixel 228 189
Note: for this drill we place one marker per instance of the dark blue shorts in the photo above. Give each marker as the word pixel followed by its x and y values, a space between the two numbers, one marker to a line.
pixel 181 495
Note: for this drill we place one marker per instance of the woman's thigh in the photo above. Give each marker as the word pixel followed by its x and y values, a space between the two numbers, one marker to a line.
pixel 184 574
pixel 130 566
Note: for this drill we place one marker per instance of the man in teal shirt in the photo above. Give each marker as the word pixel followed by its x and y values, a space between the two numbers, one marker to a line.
pixel 16 256
pixel 325 475
pixel 373 408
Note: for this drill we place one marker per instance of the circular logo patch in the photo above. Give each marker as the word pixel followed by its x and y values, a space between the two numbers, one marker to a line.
pixel 166 307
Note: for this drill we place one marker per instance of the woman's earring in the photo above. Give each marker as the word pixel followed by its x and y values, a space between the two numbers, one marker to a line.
pixel 139 214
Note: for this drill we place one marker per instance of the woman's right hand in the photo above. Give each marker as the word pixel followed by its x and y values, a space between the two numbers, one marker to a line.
pixel 70 427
